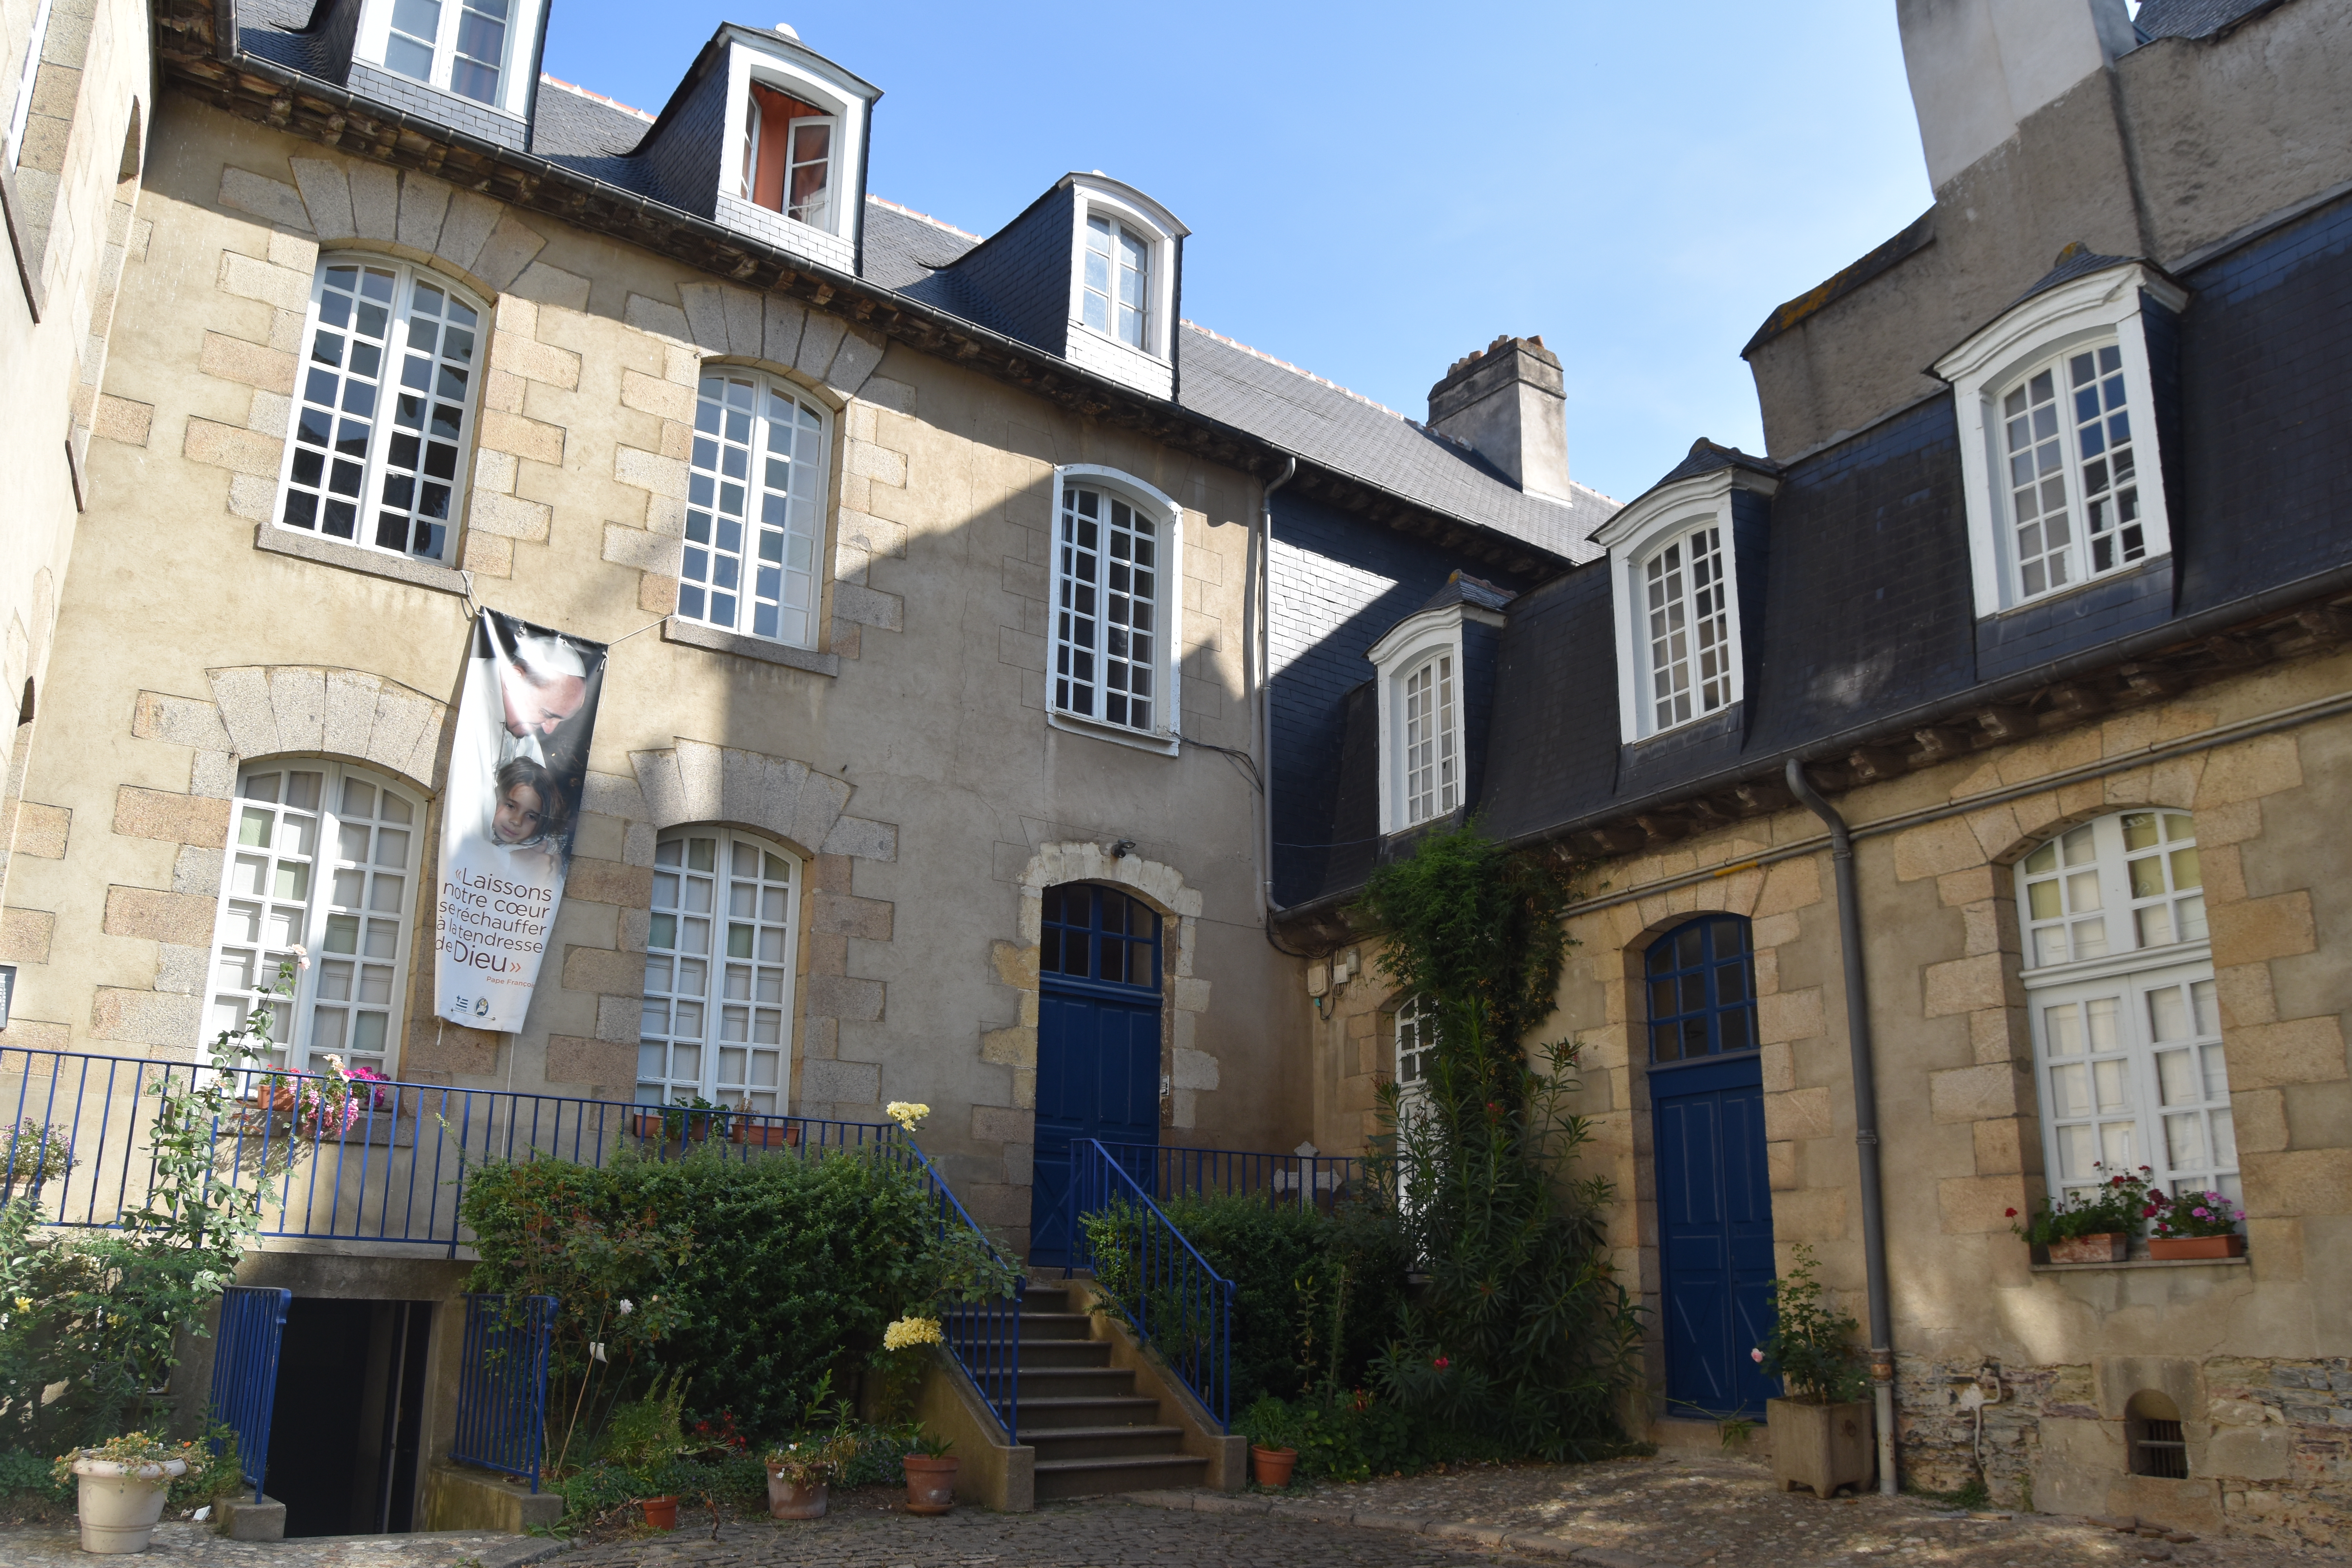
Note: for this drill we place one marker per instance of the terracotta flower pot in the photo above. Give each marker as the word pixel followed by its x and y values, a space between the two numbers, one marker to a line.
pixel 2106 1247
pixel 1272 1465
pixel 1821 1446
pixel 790 1500
pixel 930 1483
pixel 764 1134
pixel 661 1512
pixel 2230 1245
pixel 119 1504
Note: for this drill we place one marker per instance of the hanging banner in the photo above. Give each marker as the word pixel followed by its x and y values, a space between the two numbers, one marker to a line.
pixel 520 756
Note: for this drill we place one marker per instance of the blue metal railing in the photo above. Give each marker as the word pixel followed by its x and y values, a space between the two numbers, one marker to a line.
pixel 984 1337
pixel 1178 1304
pixel 1280 1178
pixel 502 1384
pixel 391 1168
pixel 244 1371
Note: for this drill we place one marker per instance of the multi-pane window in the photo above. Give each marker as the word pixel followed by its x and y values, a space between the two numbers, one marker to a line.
pixel 1702 989
pixel 1431 771
pixel 1092 932
pixel 2127 1049
pixel 321 857
pixel 1688 605
pixel 385 401
pixel 1117 282
pixel 755 498
pixel 21 109
pixel 2073 482
pixel 1106 634
pixel 788 155
pixel 717 1017
pixel 471 35
pixel 1416 1044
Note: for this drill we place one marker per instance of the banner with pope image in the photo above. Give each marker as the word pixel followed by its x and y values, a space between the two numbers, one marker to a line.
pixel 516 768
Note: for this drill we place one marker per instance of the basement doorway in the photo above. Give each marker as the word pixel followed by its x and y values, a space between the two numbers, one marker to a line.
pixel 346 1427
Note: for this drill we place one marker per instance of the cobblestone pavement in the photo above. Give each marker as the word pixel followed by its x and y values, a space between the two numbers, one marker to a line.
pixel 55 1546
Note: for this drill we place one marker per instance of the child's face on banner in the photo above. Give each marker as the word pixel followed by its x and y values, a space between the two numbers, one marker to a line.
pixel 520 812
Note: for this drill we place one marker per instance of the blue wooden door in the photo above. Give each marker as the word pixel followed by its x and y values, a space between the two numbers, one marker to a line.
pixel 1714 1234
pixel 1097 1044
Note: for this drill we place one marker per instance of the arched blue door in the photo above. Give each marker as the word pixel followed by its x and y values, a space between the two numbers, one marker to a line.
pixel 1097 1043
pixel 1715 1199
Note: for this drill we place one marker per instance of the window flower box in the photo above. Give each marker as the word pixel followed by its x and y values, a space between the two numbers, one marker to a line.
pixel 764 1134
pixel 2178 1247
pixel 2104 1247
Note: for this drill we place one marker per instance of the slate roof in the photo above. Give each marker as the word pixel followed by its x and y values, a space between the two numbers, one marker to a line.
pixel 2192 18
pixel 1464 589
pixel 279 31
pixel 580 131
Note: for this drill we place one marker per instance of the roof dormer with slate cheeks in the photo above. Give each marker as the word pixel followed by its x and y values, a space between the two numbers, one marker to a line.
pixel 469 65
pixel 1435 691
pixel 767 137
pixel 1091 271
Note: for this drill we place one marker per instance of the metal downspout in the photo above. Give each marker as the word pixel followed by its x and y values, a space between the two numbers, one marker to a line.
pixel 1261 583
pixel 1865 1119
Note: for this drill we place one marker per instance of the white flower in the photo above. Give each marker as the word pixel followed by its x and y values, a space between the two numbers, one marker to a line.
pixel 906 1113
pixel 301 956
pixel 596 1351
pixel 335 1061
pixel 627 1306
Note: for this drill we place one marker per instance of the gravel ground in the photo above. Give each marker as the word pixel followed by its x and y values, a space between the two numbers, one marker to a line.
pixel 55 1546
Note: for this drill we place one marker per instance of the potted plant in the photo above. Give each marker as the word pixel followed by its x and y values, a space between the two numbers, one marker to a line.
pixel 2195 1225
pixel 1273 1439
pixel 799 1473
pixel 763 1133
pixel 2090 1226
pixel 31 1155
pixel 1820 1426
pixel 930 1472
pixel 643 1438
pixel 696 1119
pixel 124 1482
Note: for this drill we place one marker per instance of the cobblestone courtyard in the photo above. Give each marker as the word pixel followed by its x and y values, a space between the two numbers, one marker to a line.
pixel 1674 1511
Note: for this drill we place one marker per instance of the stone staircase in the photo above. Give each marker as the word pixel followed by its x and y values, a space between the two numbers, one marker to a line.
pixel 1092 1430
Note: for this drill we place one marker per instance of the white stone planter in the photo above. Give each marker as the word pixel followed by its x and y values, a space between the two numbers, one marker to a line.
pixel 121 1503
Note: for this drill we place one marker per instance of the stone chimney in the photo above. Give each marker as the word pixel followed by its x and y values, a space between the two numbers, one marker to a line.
pixel 1977 68
pixel 1508 403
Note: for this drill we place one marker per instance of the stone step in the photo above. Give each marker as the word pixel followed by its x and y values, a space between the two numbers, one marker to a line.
pixel 1073 1382
pixel 1139 1473
pixel 1054 1326
pixel 1056 1413
pixel 1053 1443
pixel 1064 1354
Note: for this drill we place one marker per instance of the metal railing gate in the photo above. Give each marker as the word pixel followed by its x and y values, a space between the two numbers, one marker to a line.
pixel 244 1371
pixel 502 1386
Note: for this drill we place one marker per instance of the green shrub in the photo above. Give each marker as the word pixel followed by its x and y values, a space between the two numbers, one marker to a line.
pixel 1353 1436
pixel 1810 1348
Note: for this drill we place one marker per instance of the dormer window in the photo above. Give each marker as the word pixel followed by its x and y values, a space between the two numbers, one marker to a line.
pixel 1432 769
pixel 2055 402
pixel 477 50
pixel 788 156
pixel 1675 569
pixel 1118 281
pixel 1434 668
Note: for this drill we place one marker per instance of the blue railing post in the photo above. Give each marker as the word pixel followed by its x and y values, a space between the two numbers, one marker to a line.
pixel 983 1339
pixel 502 1386
pixel 1169 1274
pixel 244 1371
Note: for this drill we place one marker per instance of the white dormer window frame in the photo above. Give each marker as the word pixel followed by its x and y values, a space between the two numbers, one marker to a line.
pixel 1675 595
pixel 1100 609
pixel 1425 751
pixel 2090 521
pixel 843 103
pixel 1123 222
pixel 441 44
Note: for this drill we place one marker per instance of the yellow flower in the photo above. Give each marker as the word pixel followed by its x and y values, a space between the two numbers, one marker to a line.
pixel 24 1303
pixel 909 1331
pixel 906 1113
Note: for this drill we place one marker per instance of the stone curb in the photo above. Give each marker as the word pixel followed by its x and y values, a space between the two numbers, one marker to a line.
pixel 1532 1542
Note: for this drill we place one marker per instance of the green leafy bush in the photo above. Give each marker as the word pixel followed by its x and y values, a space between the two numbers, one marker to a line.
pixel 1810 1348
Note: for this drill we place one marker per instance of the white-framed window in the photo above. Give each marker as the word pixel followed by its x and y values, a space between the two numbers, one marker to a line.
pixel 1116 286
pixel 461 46
pixel 2062 471
pixel 384 409
pixel 1686 627
pixel 1416 1045
pixel 755 510
pixel 1110 666
pixel 2127 1024
pixel 717 1013
pixel 20 108
pixel 788 155
pixel 1433 765
pixel 323 855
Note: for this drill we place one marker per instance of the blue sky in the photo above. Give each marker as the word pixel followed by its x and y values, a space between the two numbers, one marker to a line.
pixel 1376 190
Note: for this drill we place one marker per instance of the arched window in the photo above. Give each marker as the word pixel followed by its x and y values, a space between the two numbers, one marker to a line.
pixel 1116 606
pixel 1702 981
pixel 2072 484
pixel 755 505
pixel 1686 602
pixel 1097 933
pixel 385 408
pixel 2127 1026
pixel 321 856
pixel 718 1015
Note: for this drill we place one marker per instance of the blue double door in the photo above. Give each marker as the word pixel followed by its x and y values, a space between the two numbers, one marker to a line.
pixel 1714 1234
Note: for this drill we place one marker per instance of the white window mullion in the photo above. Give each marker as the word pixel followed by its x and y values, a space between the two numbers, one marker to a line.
pixel 1110 638
pixel 720 955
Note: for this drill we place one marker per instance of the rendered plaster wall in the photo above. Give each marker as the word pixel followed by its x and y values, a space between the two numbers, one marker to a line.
pixel 69 209
pixel 2183 142
pixel 908 762
pixel 2259 1347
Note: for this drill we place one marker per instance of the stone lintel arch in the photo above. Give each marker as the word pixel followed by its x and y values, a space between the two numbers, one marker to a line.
pixel 296 709
pixel 696 782
pixel 1186 1071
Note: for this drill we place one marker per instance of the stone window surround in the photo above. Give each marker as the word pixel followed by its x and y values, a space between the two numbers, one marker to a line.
pixel 2099 307
pixel 482 245
pixel 1166 737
